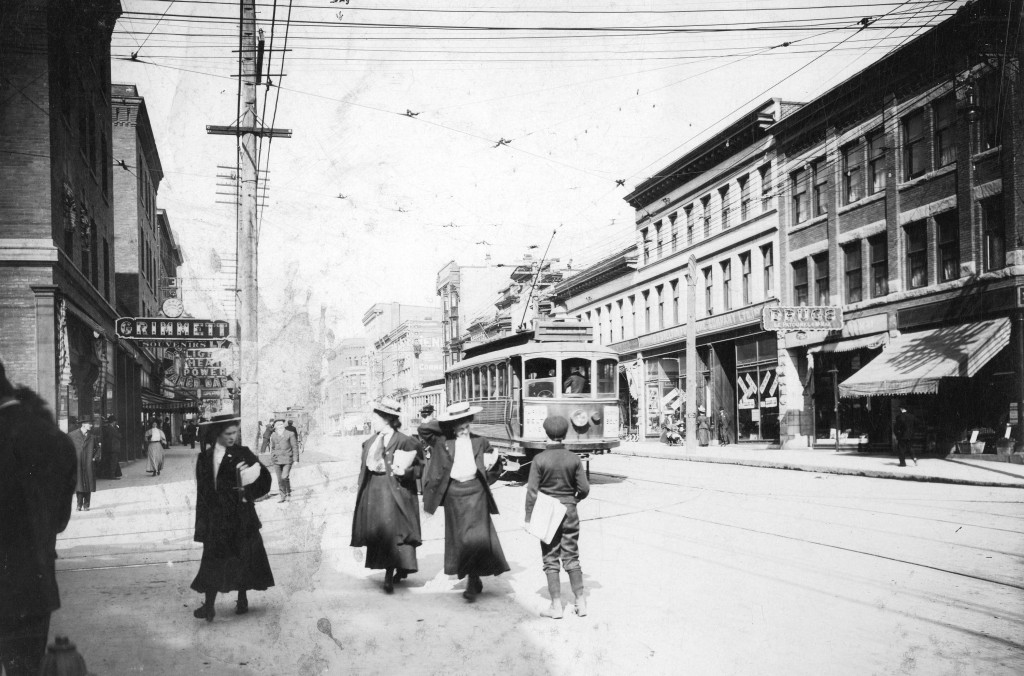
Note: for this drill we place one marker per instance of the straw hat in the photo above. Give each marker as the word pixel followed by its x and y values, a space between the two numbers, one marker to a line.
pixel 458 412
pixel 388 406
pixel 700 409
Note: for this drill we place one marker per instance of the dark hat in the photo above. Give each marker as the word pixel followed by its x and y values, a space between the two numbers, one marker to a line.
pixel 85 419
pixel 556 427
pixel 427 410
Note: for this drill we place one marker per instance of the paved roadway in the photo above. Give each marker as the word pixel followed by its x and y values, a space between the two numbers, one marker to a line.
pixel 693 568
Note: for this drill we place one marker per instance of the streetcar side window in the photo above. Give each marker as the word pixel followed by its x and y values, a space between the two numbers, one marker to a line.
pixel 576 377
pixel 541 379
pixel 607 372
pixel 502 381
pixel 492 381
pixel 476 383
pixel 463 391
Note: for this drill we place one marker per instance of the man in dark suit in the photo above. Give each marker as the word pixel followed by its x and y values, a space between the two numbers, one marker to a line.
pixel 85 449
pixel 903 428
pixel 111 441
pixel 724 423
pixel 37 480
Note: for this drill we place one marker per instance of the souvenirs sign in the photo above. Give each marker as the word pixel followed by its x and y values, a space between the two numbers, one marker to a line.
pixel 819 318
pixel 158 328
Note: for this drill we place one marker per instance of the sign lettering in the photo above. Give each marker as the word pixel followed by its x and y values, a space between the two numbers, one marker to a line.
pixel 136 328
pixel 817 318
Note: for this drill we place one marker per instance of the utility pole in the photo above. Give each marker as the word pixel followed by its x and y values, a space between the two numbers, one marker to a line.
pixel 691 354
pixel 246 287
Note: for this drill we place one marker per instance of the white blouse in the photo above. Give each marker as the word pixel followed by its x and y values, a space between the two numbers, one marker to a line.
pixel 464 464
pixel 381 443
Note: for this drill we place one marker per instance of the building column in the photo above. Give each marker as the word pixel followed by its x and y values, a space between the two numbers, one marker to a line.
pixel 795 415
pixel 46 343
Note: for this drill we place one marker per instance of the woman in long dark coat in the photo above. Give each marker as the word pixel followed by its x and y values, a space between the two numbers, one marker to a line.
pixel 703 427
pixel 458 478
pixel 229 478
pixel 387 515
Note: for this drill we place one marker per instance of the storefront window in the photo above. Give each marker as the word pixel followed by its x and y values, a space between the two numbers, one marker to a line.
pixel 540 377
pixel 757 389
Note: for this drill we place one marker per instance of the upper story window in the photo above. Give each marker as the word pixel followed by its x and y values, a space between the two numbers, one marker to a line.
pixel 745 281
pixel 744 183
pixel 675 301
pixel 800 287
pixel 673 230
pixel 709 281
pixel 646 243
pixel 658 253
pixel 801 198
pixel 852 265
pixel 948 229
pixel 726 285
pixel 820 188
pixel 660 294
pixel 705 212
pixel 768 263
pixel 879 248
pixel 723 197
pixel 852 183
pixel 915 148
pixel 876 161
pixel 995 232
pixel 917 254
pixel 622 322
pixel 944 111
pixel 989 90
pixel 821 287
pixel 690 218
pixel 767 187
pixel 647 311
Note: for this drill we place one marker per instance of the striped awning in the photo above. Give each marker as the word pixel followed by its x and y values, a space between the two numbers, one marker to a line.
pixel 915 362
pixel 151 401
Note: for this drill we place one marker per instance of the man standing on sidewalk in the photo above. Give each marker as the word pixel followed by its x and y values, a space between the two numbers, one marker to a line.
pixel 85 448
pixel 903 428
pixel 724 423
pixel 111 436
pixel 37 479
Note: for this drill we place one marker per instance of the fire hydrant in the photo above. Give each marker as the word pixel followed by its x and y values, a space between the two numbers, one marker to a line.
pixel 62 659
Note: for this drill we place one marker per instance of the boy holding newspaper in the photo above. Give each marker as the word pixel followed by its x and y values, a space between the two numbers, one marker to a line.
pixel 557 483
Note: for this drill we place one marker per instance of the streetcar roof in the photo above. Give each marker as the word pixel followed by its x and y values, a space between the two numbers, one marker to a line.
pixel 550 350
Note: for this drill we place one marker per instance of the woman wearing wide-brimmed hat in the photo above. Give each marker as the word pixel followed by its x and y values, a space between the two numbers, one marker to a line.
pixel 462 467
pixel 229 479
pixel 387 515
pixel 703 427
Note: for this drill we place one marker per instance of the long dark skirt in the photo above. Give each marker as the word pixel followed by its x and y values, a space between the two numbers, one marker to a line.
pixel 471 545
pixel 234 562
pixel 381 522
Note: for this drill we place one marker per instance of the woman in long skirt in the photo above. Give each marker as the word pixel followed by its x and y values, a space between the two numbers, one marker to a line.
pixel 387 515
pixel 703 427
pixel 155 444
pixel 229 479
pixel 462 467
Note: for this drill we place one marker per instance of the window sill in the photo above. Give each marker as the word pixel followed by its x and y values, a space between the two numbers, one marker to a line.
pixel 985 154
pixel 948 169
pixel 808 223
pixel 846 208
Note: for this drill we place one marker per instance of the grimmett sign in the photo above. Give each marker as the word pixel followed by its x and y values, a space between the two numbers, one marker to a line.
pixel 155 328
pixel 819 318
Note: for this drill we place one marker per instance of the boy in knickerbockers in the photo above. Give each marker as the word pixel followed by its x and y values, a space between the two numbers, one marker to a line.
pixel 559 473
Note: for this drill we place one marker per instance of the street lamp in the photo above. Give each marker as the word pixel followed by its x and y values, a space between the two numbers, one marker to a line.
pixel 835 398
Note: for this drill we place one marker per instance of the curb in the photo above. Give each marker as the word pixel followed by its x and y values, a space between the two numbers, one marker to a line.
pixel 820 469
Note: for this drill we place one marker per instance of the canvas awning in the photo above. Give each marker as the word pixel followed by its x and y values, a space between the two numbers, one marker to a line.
pixel 151 401
pixel 915 362
pixel 873 341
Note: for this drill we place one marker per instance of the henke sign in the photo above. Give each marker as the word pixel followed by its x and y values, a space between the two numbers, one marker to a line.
pixel 151 328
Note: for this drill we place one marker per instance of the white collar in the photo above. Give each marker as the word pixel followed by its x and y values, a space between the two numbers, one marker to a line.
pixel 10 402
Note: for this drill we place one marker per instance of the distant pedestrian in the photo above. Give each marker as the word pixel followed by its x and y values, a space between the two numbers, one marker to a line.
pixel 86 452
pixel 558 473
pixel 703 427
pixel 156 442
pixel 724 423
pixel 111 435
pixel 298 439
pixel 462 467
pixel 165 427
pixel 904 427
pixel 283 449
pixel 188 434
pixel 229 479
pixel 426 417
pixel 387 514
pixel 37 480
pixel 259 434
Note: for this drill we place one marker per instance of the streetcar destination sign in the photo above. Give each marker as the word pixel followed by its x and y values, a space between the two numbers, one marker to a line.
pixel 157 328
pixel 817 318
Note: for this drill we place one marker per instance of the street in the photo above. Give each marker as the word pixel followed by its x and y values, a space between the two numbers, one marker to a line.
pixel 691 568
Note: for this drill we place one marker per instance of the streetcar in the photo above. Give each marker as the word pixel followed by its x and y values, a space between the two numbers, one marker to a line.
pixel 520 380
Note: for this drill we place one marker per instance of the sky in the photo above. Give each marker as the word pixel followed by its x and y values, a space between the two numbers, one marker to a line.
pixel 426 131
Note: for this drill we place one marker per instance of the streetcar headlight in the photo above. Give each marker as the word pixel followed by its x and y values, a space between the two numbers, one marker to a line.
pixel 595 417
pixel 580 418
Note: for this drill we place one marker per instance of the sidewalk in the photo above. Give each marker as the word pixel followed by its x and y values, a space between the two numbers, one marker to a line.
pixel 953 470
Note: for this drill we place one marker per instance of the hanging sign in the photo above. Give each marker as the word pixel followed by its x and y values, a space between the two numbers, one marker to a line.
pixel 819 318
pixel 157 328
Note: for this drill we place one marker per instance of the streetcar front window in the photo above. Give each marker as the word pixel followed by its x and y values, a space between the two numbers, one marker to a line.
pixel 576 377
pixel 607 374
pixel 541 380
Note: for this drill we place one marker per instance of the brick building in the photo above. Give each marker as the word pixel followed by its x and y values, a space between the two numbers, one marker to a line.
pixel 345 400
pixel 57 285
pixel 901 202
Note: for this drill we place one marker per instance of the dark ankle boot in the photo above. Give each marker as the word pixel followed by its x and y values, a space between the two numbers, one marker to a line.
pixel 576 580
pixel 554 611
